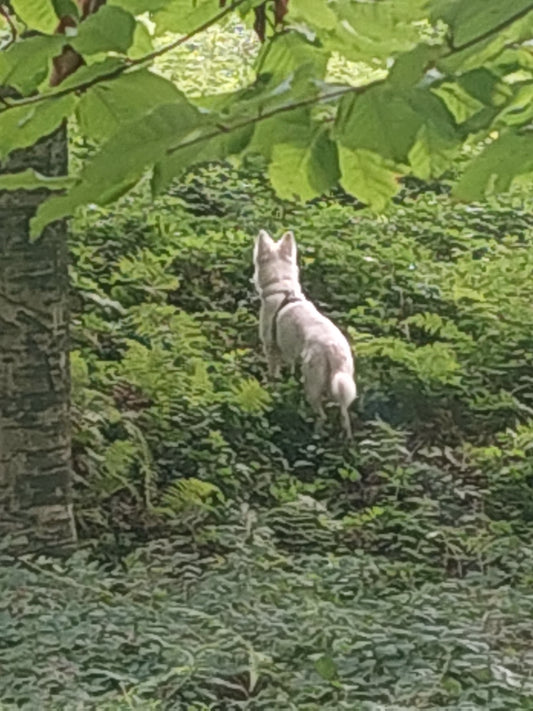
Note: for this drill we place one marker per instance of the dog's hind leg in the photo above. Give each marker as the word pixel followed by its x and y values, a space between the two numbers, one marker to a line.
pixel 273 357
pixel 315 373
pixel 346 423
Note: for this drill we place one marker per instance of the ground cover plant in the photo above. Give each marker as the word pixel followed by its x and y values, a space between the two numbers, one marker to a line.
pixel 229 557
pixel 238 560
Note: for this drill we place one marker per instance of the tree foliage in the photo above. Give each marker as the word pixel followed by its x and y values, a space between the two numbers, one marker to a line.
pixel 449 74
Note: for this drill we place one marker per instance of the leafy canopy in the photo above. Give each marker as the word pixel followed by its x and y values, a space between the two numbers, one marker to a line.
pixel 442 74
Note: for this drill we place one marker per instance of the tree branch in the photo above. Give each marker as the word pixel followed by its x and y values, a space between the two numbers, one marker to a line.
pixel 5 14
pixel 208 23
pixel 284 108
pixel 128 64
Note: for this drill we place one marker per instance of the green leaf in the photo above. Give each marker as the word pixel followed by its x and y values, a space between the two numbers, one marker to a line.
pixel 66 8
pixel 519 111
pixel 315 12
pixel 22 126
pixel 367 176
pixel 304 170
pixel 108 30
pixel 107 106
pixel 485 51
pixel 142 41
pixel 290 60
pixel 371 30
pixel 431 153
pixel 291 127
pixel 175 164
pixel 475 18
pixel 111 66
pixel 26 63
pixel 485 86
pixel 379 120
pixel 32 180
pixel 122 159
pixel 182 16
pixel 38 15
pixel 216 148
pixel 410 67
pixel 494 170
pixel 138 7
pixel 326 667
pixel 387 121
pixel 459 102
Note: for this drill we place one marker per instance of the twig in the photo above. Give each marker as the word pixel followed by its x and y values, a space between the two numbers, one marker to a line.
pixel 14 34
pixel 181 40
pixel 128 64
pixel 310 101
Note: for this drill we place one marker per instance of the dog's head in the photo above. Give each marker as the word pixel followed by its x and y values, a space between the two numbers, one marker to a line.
pixel 275 261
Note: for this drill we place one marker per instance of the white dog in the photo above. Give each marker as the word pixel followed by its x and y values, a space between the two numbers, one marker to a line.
pixel 292 329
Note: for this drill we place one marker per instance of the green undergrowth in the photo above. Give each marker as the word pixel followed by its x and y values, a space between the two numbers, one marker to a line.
pixel 236 559
pixel 174 420
pixel 258 627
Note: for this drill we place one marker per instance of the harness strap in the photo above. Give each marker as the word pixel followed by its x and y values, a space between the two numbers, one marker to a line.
pixel 289 298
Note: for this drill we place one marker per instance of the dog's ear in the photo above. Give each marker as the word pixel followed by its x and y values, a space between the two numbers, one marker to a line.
pixel 287 246
pixel 264 244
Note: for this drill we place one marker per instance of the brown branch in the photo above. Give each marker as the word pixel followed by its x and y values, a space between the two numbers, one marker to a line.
pixel 7 17
pixel 128 64
pixel 69 61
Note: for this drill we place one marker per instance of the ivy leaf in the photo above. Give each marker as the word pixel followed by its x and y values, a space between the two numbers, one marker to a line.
pixel 107 106
pixel 22 126
pixel 26 64
pixel 306 170
pixel 122 159
pixel 109 29
pixel 38 15
pixel 367 176
pixel 494 170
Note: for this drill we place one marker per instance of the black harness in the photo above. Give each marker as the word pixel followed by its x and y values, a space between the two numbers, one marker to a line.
pixel 289 298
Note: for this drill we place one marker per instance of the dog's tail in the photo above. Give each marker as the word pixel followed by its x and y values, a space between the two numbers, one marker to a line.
pixel 344 391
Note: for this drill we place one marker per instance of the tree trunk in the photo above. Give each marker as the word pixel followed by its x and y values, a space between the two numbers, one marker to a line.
pixel 35 473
